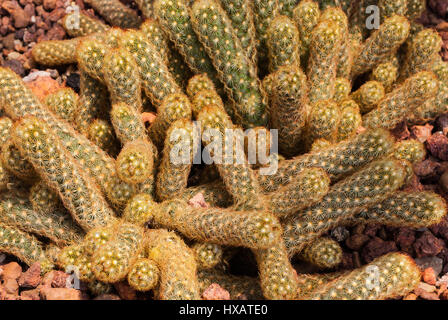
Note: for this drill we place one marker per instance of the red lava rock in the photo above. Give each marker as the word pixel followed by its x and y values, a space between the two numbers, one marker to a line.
pixel 215 292
pixel 55 279
pixel 441 229
pixel 49 4
pixel 437 145
pixel 429 168
pixel 426 291
pixel 125 291
pixel 31 278
pixel 346 261
pixel 107 296
pixel 11 286
pixel 401 132
pixel 444 295
pixel 429 276
pixel 56 14
pixel 356 241
pixel 413 184
pixel 16 66
pixel 422 133
pixel 11 270
pixel 148 117
pixel 198 201
pixel 20 17
pixel 371 229
pixel 60 294
pixel 30 294
pixel 57 32
pixel 43 85
pixel 404 238
pixel 377 247
pixel 428 245
pixel 410 296
pixel 8 41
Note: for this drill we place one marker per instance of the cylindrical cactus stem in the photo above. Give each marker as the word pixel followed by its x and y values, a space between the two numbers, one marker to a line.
pixel 415 8
pixel 242 17
pixel 440 69
pixel 98 237
pixel 411 150
pixel 177 265
pixel 323 121
pixel 342 89
pixel 90 53
pixel 308 187
pixel 146 7
pixel 286 7
pixel 63 103
pixel 116 13
pixel 386 73
pixel 154 33
pixel 230 160
pixel 122 78
pixel 252 229
pixel 21 244
pixel 74 258
pixel 406 209
pixel 423 51
pixel 55 225
pixel 309 283
pixel 351 120
pixel 157 81
pixel 177 159
pixel 5 129
pixel 127 123
pixel 404 99
pixel 139 209
pixel 390 7
pixel 79 194
pixel 237 286
pixel 43 199
pixel 264 12
pixel 207 97
pixel 198 83
pixel 289 108
pixel 368 95
pixel 178 68
pixel 16 163
pixel 235 70
pixel 277 276
pixel 214 193
pixel 112 262
pixel 389 276
pixel 367 186
pixel 174 107
pixel 102 134
pixel 283 43
pixel 337 160
pixel 55 52
pixel 93 101
pixel 208 255
pixel 432 108
pixel 78 24
pixel 135 161
pixel 324 253
pixel 381 44
pixel 326 41
pixel 5 178
pixel 143 275
pixel 174 18
pixel 306 15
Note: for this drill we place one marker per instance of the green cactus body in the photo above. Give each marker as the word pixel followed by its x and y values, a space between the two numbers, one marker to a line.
pixel 214 193
pixel 432 108
pixel 102 134
pixel 144 275
pixel 97 238
pixel 146 7
pixel 386 73
pixel 116 13
pixel 135 161
pixel 127 123
pixel 264 12
pixel 440 69
pixel 43 199
pixel 155 35
pixel 90 54
pixel 381 44
pixel 241 14
pixel 112 261
pixel 390 7
pixel 177 159
pixel 157 81
pixel 411 150
pixel 208 255
pixel 178 68
pixel 5 129
pixel 15 162
pixel 283 43
pixel 323 121
pixel 342 89
pixel 397 274
pixel 233 167
pixel 175 20
pixel 415 8
pixel 5 178
pixel 368 95
pixel 235 70
pixel 252 229
pixel 55 52
pixel 367 186
pixel 306 15
pixel 63 103
pixel 177 265
pixel 396 105
pixel 350 120
pixel 325 49
pixel 79 24
pixel 62 172
pixel 204 98
pixel 324 253
pixel 337 160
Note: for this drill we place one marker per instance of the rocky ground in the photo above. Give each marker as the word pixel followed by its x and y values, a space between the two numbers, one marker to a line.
pixel 23 23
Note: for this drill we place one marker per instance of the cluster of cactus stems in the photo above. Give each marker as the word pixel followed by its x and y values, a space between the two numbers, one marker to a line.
pixel 113 195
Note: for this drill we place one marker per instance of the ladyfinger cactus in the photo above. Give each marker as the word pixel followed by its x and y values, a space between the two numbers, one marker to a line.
pixel 127 122
pixel 52 161
pixel 389 276
pixel 432 108
pixel 415 8
pixel 154 33
pixel 177 265
pixel 63 103
pixel 43 199
pixel 323 121
pixel 90 53
pixel 306 15
pixel 144 275
pixel 214 194
pixel 264 11
pixel 146 7
pixel 208 255
pixel 404 99
pixel 351 120
pixel 204 98
pixel 252 229
pixel 367 186
pixel 116 13
pixel 286 7
pixel 235 70
pixel 56 52
pixel 411 150
pixel 283 43
pixel 390 7
pixel 368 95
pixel 324 253
pixel 16 163
pixel 342 89
pixel 78 24
pixel 381 44
pixel 102 134
pixel 5 129
pixel 135 161
pixel 177 159
pixel 386 73
pixel 406 209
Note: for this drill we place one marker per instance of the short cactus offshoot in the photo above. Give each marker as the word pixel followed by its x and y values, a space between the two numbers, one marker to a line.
pixel 108 177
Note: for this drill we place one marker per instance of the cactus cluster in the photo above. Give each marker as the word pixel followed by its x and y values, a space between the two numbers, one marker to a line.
pixel 121 198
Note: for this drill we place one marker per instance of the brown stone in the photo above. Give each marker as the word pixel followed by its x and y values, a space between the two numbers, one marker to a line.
pixel 356 241
pixel 55 279
pixel 437 145
pixel 410 296
pixel 429 276
pixel 11 270
pixel 215 292
pixel 125 291
pixel 20 17
pixel 30 294
pixel 48 293
pixel 49 4
pixel 422 133
pixel 8 41
pixel 377 247
pixel 31 278
pixel 10 286
pixel 428 245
